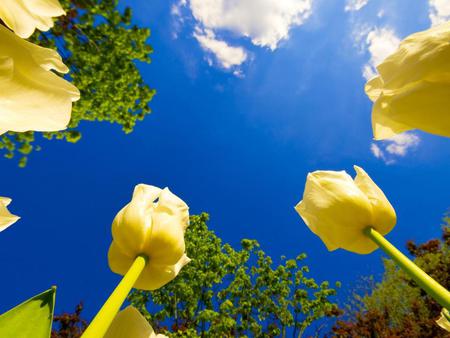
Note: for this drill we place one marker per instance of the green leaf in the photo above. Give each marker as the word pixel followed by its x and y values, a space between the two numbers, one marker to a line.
pixel 32 318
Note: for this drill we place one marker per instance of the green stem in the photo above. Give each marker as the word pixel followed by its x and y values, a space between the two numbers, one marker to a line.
pixel 105 316
pixel 433 288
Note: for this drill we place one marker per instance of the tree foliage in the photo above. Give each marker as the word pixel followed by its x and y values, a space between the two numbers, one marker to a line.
pixel 225 292
pixel 397 307
pixel 101 46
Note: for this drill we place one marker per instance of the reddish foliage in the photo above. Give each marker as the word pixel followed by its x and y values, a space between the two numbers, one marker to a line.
pixel 69 325
pixel 378 324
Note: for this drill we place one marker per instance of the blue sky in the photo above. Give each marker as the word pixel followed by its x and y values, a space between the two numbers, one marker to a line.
pixel 234 131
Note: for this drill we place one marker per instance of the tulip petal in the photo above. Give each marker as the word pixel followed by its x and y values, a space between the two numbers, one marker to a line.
pixel 311 221
pixel 152 224
pixel 132 224
pixel 421 56
pixel 6 218
pixel 383 125
pixel 36 106
pixel 31 96
pixel 165 242
pixel 373 88
pixel 130 323
pixel 119 261
pixel 155 276
pixel 443 321
pixel 24 16
pixel 423 106
pixel 5 201
pixel 6 68
pixel 336 210
pixel 412 89
pixel 171 204
pixel 46 8
pixel 48 59
pixel 383 213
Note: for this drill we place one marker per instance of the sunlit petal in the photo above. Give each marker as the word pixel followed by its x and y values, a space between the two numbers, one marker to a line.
pixel 337 209
pixel 24 16
pixel 32 97
pixel 411 90
pixel 130 323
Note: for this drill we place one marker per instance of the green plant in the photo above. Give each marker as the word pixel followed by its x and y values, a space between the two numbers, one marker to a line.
pixel 101 47
pixel 396 306
pixel 227 293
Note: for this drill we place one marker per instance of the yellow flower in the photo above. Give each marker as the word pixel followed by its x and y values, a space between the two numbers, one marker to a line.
pixel 24 16
pixel 443 320
pixel 6 218
pixel 153 224
pixel 32 97
pixel 130 323
pixel 338 209
pixel 413 86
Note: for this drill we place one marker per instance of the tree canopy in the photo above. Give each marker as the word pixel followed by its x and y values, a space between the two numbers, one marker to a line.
pixel 101 47
pixel 396 306
pixel 225 292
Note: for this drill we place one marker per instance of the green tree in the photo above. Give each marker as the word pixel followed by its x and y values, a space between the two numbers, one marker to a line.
pixel 228 293
pixel 101 47
pixel 396 306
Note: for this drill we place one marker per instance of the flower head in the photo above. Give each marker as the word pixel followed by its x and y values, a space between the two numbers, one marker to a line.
pixel 24 16
pixel 153 224
pixel 413 85
pixel 444 320
pixel 6 218
pixel 32 97
pixel 338 209
pixel 130 323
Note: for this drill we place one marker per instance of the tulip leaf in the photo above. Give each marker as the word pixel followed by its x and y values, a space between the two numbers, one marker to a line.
pixel 32 318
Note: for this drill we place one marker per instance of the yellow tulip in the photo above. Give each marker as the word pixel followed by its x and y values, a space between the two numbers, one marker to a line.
pixel 24 16
pixel 444 321
pixel 153 224
pixel 413 86
pixel 338 209
pixel 6 218
pixel 130 323
pixel 32 97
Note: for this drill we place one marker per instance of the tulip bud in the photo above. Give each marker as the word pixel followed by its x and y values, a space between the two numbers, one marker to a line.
pixel 24 16
pixel 413 85
pixel 6 218
pixel 152 224
pixel 130 323
pixel 32 97
pixel 338 209
pixel 444 320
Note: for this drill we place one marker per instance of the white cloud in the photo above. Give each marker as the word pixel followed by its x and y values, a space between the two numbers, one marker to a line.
pixel 380 42
pixel 227 56
pixel 264 22
pixel 439 11
pixel 175 9
pixel 376 150
pixel 398 146
pixel 401 143
pixel 355 5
